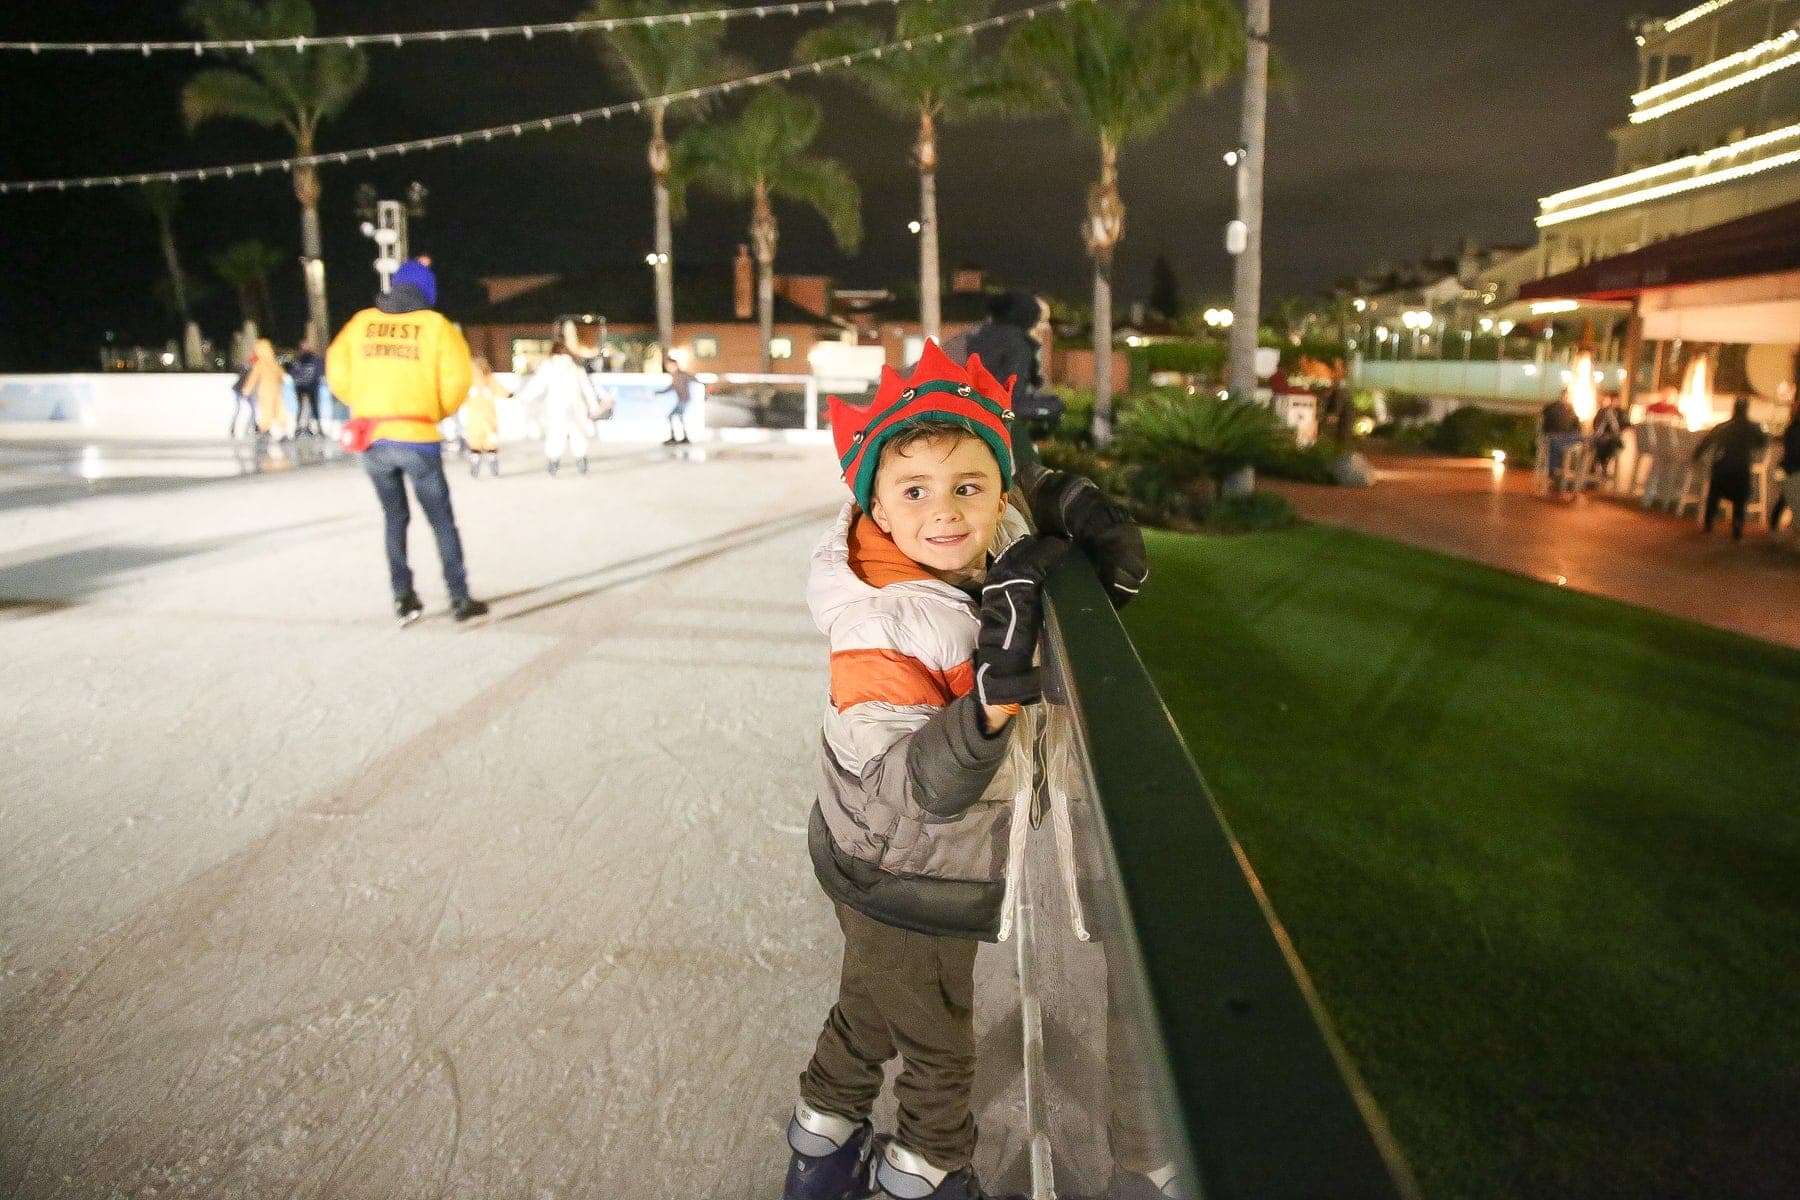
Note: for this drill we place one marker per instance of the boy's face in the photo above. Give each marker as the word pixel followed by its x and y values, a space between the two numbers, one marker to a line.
pixel 940 500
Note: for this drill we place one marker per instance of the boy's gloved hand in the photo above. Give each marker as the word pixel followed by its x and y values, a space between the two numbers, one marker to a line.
pixel 1012 614
pixel 1072 505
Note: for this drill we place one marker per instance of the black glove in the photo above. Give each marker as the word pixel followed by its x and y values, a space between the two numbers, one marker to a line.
pixel 1012 613
pixel 1071 505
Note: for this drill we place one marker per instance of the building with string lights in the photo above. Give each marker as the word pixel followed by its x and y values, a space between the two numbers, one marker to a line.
pixel 1713 135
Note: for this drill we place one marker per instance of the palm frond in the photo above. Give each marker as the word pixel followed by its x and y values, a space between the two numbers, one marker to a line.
pixel 827 187
pixel 656 60
pixel 219 92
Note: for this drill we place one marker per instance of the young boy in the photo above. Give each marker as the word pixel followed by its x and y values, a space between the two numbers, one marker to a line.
pixel 928 587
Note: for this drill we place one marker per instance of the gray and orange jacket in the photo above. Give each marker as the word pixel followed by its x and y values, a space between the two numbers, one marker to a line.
pixel 914 814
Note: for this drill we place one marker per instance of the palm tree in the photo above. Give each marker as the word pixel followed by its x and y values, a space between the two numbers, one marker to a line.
pixel 654 61
pixel 160 199
pixel 761 156
pixel 935 82
pixel 245 267
pixel 1121 69
pixel 293 90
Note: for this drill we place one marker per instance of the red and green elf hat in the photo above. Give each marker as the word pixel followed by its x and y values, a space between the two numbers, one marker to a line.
pixel 939 390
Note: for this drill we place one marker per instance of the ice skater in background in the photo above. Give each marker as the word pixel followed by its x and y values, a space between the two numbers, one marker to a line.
pixel 682 385
pixel 569 404
pixel 481 420
pixel 243 400
pixel 306 369
pixel 262 386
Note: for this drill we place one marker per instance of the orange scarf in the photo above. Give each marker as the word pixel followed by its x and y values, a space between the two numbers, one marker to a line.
pixel 876 559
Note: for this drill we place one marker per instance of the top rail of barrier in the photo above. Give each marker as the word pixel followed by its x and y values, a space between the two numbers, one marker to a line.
pixel 1259 1088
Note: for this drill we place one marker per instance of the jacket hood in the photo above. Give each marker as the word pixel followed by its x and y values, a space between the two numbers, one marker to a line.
pixel 404 298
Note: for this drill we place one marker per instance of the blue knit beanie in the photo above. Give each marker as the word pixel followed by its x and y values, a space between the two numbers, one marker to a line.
pixel 419 275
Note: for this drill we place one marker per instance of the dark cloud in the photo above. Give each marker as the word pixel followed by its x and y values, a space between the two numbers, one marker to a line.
pixel 1403 127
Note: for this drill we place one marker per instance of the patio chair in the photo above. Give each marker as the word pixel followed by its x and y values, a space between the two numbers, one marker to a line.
pixel 1540 466
pixel 1642 461
pixel 1694 477
pixel 1654 441
pixel 1762 483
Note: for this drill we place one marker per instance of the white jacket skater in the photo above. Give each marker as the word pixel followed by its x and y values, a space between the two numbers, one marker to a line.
pixel 569 402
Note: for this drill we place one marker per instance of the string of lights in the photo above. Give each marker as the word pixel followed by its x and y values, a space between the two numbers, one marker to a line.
pixel 484 33
pixel 538 125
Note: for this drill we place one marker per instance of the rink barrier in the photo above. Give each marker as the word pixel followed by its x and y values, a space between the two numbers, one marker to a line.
pixel 1255 1094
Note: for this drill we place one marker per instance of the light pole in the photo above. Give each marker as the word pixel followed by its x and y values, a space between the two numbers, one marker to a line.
pixel 385 223
pixel 1243 237
pixel 1417 320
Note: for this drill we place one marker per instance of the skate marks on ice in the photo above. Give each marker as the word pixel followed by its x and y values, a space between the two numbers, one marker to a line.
pixel 542 936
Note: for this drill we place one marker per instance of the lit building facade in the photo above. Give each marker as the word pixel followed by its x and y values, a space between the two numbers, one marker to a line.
pixel 1713 134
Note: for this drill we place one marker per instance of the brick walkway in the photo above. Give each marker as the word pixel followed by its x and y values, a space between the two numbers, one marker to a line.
pixel 1603 545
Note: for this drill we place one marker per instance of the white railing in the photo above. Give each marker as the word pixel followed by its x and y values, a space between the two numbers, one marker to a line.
pixel 1520 382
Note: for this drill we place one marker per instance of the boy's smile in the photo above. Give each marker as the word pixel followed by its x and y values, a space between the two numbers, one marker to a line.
pixel 940 499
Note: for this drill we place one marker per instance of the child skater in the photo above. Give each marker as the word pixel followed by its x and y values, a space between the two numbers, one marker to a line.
pixel 928 588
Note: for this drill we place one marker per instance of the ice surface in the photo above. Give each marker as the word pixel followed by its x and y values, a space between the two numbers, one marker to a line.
pixel 297 903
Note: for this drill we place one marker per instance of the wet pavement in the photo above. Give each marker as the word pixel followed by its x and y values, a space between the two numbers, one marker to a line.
pixel 1601 544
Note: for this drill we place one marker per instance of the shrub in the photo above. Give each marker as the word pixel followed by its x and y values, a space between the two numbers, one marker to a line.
pixel 1403 407
pixel 1472 432
pixel 1311 464
pixel 1242 514
pixel 1189 438
pixel 1190 358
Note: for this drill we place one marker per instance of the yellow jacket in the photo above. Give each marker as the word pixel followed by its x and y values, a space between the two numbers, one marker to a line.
pixel 409 364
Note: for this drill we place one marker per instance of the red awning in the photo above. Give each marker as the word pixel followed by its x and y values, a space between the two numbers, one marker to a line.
pixel 1760 244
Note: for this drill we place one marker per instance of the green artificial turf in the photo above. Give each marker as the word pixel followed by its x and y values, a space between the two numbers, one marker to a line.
pixel 1540 853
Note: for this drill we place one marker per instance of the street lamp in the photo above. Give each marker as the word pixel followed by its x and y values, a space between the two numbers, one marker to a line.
pixel 913 227
pixel 1217 318
pixel 384 223
pixel 1417 320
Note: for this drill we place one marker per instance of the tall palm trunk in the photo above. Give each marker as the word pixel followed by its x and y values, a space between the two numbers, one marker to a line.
pixel 930 280
pixel 1105 229
pixel 665 268
pixel 763 235
pixel 312 252
pixel 190 332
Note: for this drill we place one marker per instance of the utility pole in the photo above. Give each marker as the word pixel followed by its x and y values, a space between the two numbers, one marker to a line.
pixel 1244 236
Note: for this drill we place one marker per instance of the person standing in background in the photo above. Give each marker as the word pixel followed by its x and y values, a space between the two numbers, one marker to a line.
pixel 264 388
pixel 1788 498
pixel 682 385
pixel 1733 444
pixel 481 420
pixel 306 370
pixel 402 368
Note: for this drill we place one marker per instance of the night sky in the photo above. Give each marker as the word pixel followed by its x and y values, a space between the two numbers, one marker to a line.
pixel 1405 127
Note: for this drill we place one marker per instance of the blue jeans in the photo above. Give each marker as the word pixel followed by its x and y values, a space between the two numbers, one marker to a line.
pixel 390 465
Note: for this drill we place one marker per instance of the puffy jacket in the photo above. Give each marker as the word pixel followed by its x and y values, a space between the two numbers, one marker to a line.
pixel 914 814
pixel 412 363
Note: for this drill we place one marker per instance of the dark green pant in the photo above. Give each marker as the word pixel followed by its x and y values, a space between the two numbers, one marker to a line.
pixel 909 994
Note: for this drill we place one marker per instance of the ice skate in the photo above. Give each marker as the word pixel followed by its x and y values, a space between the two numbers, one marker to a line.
pixel 901 1174
pixel 494 465
pixel 407 607
pixel 468 607
pixel 553 465
pixel 831 1157
pixel 581 464
pixel 475 467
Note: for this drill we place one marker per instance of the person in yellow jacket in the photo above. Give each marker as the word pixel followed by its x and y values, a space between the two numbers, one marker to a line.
pixel 262 387
pixel 406 367
pixel 481 420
